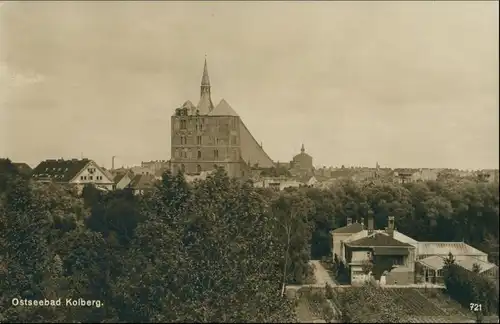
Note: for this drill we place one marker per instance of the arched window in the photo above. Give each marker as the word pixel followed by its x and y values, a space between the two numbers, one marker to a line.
pixel 199 154
pixel 183 168
pixel 198 168
pixel 216 154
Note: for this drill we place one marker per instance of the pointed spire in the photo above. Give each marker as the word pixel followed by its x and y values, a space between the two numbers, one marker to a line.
pixel 205 105
pixel 205 80
pixel 302 149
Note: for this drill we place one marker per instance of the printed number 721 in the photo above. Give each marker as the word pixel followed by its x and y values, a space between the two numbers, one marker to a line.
pixel 475 307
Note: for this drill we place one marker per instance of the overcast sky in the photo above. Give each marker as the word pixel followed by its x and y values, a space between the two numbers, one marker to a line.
pixel 407 84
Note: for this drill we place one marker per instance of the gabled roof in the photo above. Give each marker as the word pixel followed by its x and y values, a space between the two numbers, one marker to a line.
pixel 59 170
pixel 188 104
pixel 223 109
pixel 107 173
pixel 142 181
pixel 118 177
pixel 378 239
pixel 251 151
pixel 349 229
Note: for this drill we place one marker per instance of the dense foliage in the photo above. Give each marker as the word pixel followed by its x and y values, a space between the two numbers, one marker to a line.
pixel 215 250
pixel 470 287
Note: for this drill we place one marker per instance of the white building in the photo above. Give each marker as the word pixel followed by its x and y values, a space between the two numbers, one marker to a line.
pixel 74 172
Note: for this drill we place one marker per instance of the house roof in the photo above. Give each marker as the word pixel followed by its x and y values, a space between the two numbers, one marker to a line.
pixel 108 173
pixel 59 170
pixel 142 181
pixel 118 177
pixel 436 262
pixel 444 248
pixel 468 262
pixel 305 179
pixel 223 109
pixel 349 229
pixel 376 240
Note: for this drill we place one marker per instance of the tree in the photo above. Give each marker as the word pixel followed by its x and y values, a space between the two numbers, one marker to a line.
pixel 449 260
pixel 367 266
pixel 293 210
pixel 24 228
pixel 323 219
pixel 206 253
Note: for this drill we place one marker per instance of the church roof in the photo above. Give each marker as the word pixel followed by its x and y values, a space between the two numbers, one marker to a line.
pixel 205 105
pixel 205 80
pixel 302 154
pixel 188 104
pixel 190 107
pixel 223 109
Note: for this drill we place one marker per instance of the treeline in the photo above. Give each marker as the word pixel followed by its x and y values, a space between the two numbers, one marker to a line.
pixel 455 210
pixel 215 250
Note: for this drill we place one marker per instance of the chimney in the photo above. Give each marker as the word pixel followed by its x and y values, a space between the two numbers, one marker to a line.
pixel 349 221
pixel 390 225
pixel 370 223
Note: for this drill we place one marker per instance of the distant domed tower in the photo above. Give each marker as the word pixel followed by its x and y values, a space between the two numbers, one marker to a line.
pixel 205 137
pixel 302 163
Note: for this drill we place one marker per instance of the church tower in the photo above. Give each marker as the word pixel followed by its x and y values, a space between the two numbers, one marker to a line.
pixel 206 137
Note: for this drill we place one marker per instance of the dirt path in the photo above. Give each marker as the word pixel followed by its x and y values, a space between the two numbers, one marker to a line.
pixel 321 275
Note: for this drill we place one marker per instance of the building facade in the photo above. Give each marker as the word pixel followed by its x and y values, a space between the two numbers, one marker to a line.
pixel 74 172
pixel 205 137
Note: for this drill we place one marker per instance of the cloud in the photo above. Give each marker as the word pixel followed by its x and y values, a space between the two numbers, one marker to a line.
pixel 12 78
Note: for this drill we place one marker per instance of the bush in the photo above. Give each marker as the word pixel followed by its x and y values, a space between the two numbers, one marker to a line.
pixel 469 287
pixel 328 292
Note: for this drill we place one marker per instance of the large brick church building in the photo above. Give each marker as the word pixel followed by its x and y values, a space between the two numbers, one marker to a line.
pixel 205 137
